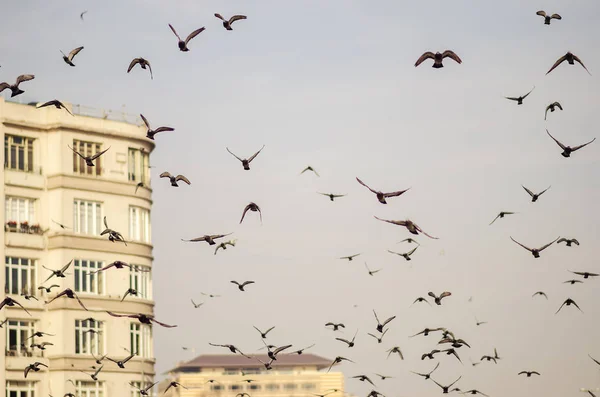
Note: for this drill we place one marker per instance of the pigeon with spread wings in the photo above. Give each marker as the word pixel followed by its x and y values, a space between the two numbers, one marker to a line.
pixel 350 343
pixel 69 58
pixel 246 162
pixel 113 235
pixel 254 208
pixel 571 59
pixel 150 132
pixel 438 299
pixel 438 57
pixel 242 285
pixel 57 104
pixel 569 302
pixel 520 98
pixel 174 179
pixel 567 150
pixel 405 255
pixel 121 363
pixel 535 251
pixel 69 293
pixel 58 273
pixel 174 384
pixel 142 318
pixel 227 22
pixel 182 44
pixel 144 63
pixel 535 196
pixel 14 88
pixel 332 196
pixel 501 215
pixel 410 225
pixel 89 160
pixel 547 17
pixel 382 196
pixel 338 360
pixel 8 301
pixel 551 108
pixel 445 389
pixel 309 168
pixel 208 238
pixel 568 241
pixel 380 325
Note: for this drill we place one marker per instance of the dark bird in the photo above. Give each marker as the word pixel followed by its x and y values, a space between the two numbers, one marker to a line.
pixel 395 349
pixel 542 293
pixel 69 293
pixel 231 348
pixel 69 58
pixel 143 64
pixel 350 257
pixel 144 391
pixel 113 235
pixel 208 238
pixel 453 352
pixel 264 334
pixel 57 104
pixel 338 360
pixel 82 14
pixel 174 384
pixel 520 99
pixel 224 245
pixel 572 282
pixel 567 241
pixel 412 227
pixel 363 378
pixel 596 361
pixel 14 88
pixel 182 44
pixel 567 150
pixel 585 274
pixel 446 388
pixel 94 375
pixel 569 302
pixel 254 208
pixel 350 343
pixel 426 331
pixel 430 354
pixel 175 179
pixel 60 272
pixel 409 240
pixel 384 377
pixel 28 296
pixel 242 285
pixel 210 295
pixel 535 251
pixel 196 305
pixel 570 58
pixel 246 162
pixel 551 108
pixel 142 318
pixel 139 185
pixel 332 196
pixel 534 196
pixel 405 255
pixel 528 373
pixel 478 323
pixel 475 391
pixel 89 160
pixel 150 132
pixel 34 367
pixel 121 363
pixel 41 346
pixel 380 325
pixel 371 272
pixel 379 338
pixel 427 375
pixel 421 299
pixel 302 350
pixel 48 289
pixel 501 215
pixel 335 326
pixel 382 196
pixel 61 225
pixel 227 23
pixel 273 353
pixel 438 299
pixel 546 17
pixel 121 265
pixel 130 291
pixel 438 58
pixel 456 343
pixel 309 168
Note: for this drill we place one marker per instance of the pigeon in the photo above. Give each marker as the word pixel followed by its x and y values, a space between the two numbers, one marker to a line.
pixel 227 23
pixel 438 58
pixel 143 64
pixel 567 150
pixel 547 17
pixel 175 179
pixel 551 108
pixel 521 98
pixel 69 58
pixel 570 58
pixel 150 132
pixel 182 44
pixel 56 103
pixel 14 88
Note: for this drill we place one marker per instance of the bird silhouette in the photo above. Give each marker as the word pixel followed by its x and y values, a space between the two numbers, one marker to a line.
pixel 567 150
pixel 89 160
pixel 520 98
pixel 174 179
pixel 182 44
pixel 14 88
pixel 246 162
pixel 535 251
pixel 242 285
pixel 227 22
pixel 57 104
pixel 254 208
pixel 547 17
pixel 571 59
pixel 69 58
pixel 144 63
pixel 551 108
pixel 382 196
pixel 438 58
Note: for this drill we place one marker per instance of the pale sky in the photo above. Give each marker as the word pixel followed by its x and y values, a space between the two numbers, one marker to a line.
pixel 332 85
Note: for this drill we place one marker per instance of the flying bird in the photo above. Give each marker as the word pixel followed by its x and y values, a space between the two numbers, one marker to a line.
pixel 182 44
pixel 421 299
pixel 231 348
pixel 175 179
pixel 144 391
pixel 14 88
pixel 567 241
pixel 56 103
pixel 384 377
pixel 478 323
pixel 570 58
pixel 534 196
pixel 585 274
pixel 254 208
pixel 302 350
pixel 336 326
pixel 438 58
pixel 445 389
pixel 309 168
pixel 130 291
pixel 338 360
pixel 89 160
pixel 520 98
pixel 426 331
pixel 224 245
pixel 567 150
pixel 34 367
pixel 379 338
pixel 113 235
pixel 501 215
pixel 208 238
pixel 174 384
pixel 572 282
pixel 60 272
pixel 475 391
pixel 569 302
pixel 246 162
pixel 371 272
pixel 331 195
pixel 551 108
pixel 535 251
pixel 350 343
pixel 405 255
pixel 382 196
pixel 427 375
pixel 412 227
pixel 273 353
pixel 438 299
pixel 8 301
pixel 542 293
pixel 350 257
pixel 150 133
pixel 429 355
pixel 453 352
pixel 547 17
pixel 121 363
pixel 69 293
pixel 48 289
pixel 409 240
pixel 380 325
pixel 142 318
pixel 69 58
pixel 143 64
pixel 121 265
pixel 242 285
pixel 82 14
pixel 528 373
pixel 227 23
pixel 363 378
pixel 596 361
pixel 196 305
pixel 264 334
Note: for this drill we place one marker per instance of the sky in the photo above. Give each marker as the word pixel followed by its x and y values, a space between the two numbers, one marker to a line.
pixel 333 85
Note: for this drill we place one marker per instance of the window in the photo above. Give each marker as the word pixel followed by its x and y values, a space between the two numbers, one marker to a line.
pixel 86 149
pixel 253 387
pixel 139 224
pixel 231 371
pixel 85 280
pixel 17 333
pixel 19 210
pixel 140 339
pixel 89 338
pixel 87 217
pixel 235 387
pixel 20 389
pixel 138 165
pixel 309 386
pixel 18 153
pixel 89 389
pixel 140 279
pixel 249 371
pixel 20 275
pixel 216 387
pixel 289 386
pixel 272 386
pixel 135 388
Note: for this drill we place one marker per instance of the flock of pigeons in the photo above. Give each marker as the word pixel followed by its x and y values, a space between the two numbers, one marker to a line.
pixel 446 336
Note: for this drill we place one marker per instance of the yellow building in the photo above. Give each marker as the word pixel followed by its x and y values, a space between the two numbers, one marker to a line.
pixel 46 184
pixel 293 375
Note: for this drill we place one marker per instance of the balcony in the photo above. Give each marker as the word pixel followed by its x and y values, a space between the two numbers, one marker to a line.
pixel 23 235
pixel 24 352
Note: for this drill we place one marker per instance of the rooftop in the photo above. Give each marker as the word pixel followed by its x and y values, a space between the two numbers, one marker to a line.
pixel 239 361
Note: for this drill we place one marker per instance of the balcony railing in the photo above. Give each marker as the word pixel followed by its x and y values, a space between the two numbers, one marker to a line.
pixel 23 227
pixel 14 352
pixel 115 115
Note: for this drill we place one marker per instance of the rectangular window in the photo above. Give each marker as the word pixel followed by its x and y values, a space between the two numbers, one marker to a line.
pixel 89 389
pixel 140 279
pixel 138 164
pixel 140 339
pixel 289 386
pixel 87 217
pixel 86 149
pixel 216 387
pixel 86 281
pixel 19 209
pixel 18 153
pixel 89 338
pixel 20 389
pixel 139 224
pixel 20 275
pixel 17 334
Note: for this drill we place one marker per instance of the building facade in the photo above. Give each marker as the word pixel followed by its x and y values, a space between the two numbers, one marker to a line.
pixel 47 186
pixel 292 375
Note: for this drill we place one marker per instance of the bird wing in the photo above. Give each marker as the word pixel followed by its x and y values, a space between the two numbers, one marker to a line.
pixel 281 348
pixel 4 86
pixel 236 18
pixel 445 294
pixel 525 96
pixel 163 324
pixel 150 69
pixel 94 157
pixel 220 17
pixel 194 34
pixel 394 194
pixel 388 320
pixel 343 340
pixel 65 267
pixel 256 154
pixel 563 147
pixel 74 52
pixel 576 305
pixel 452 55
pixel 182 178
pixel 145 120
pixel 541 13
pixel 423 57
pixel 79 300
pixel 409 253
pixel 133 63
pixel 216 236
pixel 121 315
pixel 580 146
pixel 230 150
pixel 376 318
pixel 269 330
pixel 528 191
pixel 511 98
pixel 497 216
pixel 431 294
pixel 165 174
pixel 544 191
pixel 168 387
pixel 105 224
pixel 555 16
pixel 24 77
pixel 235 282
pixel 173 30
pixel 247 283
pixel 244 213
pixel 596 361
pixel 76 152
pixel 128 358
pixel 455 380
pixel 163 129
pixel 558 62
pixel 528 249
pixel 365 185
pixel 548 245
pixel 576 58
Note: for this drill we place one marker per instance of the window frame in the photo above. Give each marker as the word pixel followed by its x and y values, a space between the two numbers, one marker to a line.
pixel 84 340
pixel 30 272
pixel 140 340
pixel 141 281
pixel 23 330
pixel 139 224
pixel 81 220
pixel 14 204
pixel 27 153
pixel 87 148
pixel 138 165
pixel 83 277
pixel 85 388
pixel 19 387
